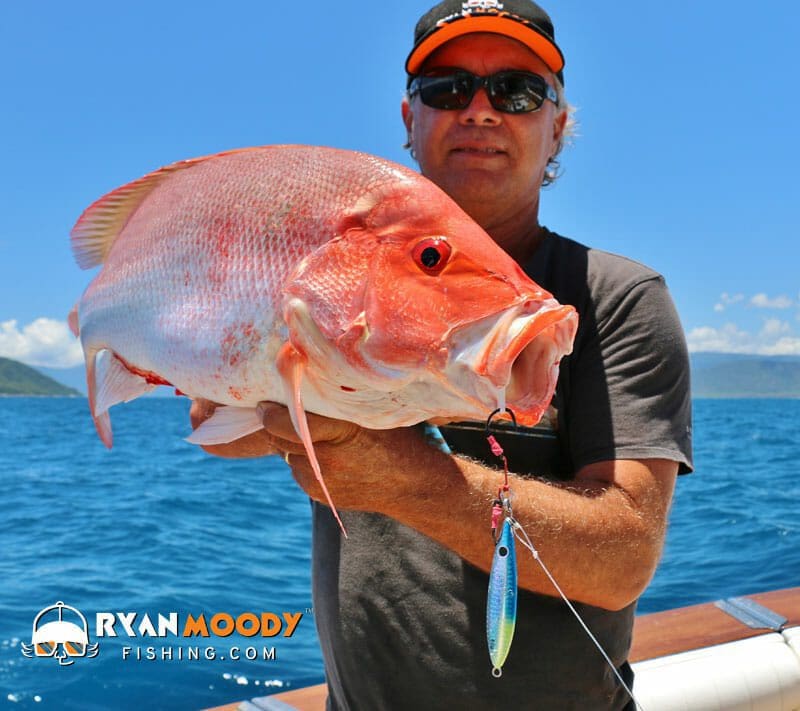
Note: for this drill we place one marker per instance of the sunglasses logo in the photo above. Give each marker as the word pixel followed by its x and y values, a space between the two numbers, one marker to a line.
pixel 59 638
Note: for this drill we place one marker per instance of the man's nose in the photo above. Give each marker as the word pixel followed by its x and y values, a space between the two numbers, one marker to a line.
pixel 480 111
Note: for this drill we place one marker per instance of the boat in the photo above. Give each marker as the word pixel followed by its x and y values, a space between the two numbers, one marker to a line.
pixel 736 654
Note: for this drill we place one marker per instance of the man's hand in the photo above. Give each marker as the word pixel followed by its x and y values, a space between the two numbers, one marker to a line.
pixel 360 466
pixel 600 533
pixel 357 463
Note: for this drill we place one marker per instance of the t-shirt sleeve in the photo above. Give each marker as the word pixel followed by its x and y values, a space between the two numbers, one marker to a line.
pixel 630 390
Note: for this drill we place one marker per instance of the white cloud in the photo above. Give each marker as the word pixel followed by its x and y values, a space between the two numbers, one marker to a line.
pixel 774 338
pixel 762 301
pixel 774 327
pixel 44 342
pixel 731 299
pixel 759 301
pixel 783 346
pixel 726 299
pixel 728 339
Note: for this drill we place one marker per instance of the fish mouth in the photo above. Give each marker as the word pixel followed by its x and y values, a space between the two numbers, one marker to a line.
pixel 514 363
pixel 533 359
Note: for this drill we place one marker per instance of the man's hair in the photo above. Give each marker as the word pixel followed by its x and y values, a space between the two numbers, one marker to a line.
pixel 551 171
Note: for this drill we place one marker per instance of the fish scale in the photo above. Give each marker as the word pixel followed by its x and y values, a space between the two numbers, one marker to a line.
pixel 293 274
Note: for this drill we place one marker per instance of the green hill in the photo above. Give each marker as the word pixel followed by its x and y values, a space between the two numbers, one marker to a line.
pixel 713 375
pixel 735 375
pixel 19 379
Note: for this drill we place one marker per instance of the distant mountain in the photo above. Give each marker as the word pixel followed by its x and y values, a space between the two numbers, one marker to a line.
pixel 71 377
pixel 76 378
pixel 19 379
pixel 739 375
pixel 713 375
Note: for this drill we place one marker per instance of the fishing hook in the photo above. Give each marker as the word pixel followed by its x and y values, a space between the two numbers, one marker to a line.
pixel 499 411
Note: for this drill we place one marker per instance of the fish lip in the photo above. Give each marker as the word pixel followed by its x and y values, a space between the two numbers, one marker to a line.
pixel 513 356
pixel 529 365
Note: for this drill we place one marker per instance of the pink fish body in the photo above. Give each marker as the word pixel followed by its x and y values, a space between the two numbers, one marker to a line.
pixel 331 281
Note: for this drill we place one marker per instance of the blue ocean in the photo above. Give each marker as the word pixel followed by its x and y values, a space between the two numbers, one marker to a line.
pixel 155 526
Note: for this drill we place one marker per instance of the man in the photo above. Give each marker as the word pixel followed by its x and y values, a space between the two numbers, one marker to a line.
pixel 400 605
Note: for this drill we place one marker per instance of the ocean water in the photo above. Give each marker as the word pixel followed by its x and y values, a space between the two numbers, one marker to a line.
pixel 156 526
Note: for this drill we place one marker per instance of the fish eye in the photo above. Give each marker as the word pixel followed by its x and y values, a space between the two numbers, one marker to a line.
pixel 431 254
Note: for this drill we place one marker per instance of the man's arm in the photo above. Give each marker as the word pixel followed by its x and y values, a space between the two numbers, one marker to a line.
pixel 600 534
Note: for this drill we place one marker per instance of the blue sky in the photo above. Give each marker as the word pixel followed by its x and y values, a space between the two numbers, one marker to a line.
pixel 687 155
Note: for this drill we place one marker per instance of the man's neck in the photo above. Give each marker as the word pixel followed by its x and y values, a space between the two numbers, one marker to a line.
pixel 519 234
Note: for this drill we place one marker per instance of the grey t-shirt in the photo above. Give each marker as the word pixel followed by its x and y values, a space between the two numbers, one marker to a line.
pixel 402 620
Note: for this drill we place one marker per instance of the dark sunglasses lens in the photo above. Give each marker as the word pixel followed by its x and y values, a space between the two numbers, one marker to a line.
pixel 516 92
pixel 453 91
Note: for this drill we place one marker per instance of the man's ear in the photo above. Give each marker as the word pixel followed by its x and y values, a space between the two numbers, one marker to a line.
pixel 559 123
pixel 408 116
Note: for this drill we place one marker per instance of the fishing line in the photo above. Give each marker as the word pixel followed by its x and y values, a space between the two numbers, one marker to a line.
pixel 525 540
pixel 501 508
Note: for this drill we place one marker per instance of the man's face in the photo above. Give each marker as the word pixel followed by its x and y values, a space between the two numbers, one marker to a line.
pixel 491 163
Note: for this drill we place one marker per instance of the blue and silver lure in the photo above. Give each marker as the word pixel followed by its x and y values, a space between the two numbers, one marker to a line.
pixel 501 605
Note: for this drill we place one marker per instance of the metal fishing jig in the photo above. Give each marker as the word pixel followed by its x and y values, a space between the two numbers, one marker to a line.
pixel 501 603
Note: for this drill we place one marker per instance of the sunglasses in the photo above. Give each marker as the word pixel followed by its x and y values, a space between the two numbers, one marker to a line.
pixel 512 92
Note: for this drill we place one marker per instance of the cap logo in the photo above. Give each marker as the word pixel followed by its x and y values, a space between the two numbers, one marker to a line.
pixel 471 6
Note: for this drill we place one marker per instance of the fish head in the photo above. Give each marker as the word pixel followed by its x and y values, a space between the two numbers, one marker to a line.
pixel 414 300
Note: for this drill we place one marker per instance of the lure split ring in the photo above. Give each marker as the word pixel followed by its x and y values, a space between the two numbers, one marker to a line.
pixel 499 411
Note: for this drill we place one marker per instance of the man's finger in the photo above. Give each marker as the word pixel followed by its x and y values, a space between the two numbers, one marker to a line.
pixel 200 411
pixel 257 444
pixel 278 422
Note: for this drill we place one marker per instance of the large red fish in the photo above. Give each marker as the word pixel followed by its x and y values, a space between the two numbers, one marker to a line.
pixel 333 282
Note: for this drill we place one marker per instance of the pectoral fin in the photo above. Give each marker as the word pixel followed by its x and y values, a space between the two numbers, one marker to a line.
pixel 227 424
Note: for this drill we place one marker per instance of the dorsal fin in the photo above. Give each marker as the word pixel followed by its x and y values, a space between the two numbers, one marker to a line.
pixel 101 222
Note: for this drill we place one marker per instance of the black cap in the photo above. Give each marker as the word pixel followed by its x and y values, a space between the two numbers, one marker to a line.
pixel 522 20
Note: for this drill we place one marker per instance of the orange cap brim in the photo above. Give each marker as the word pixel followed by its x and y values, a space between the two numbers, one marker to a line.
pixel 537 43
